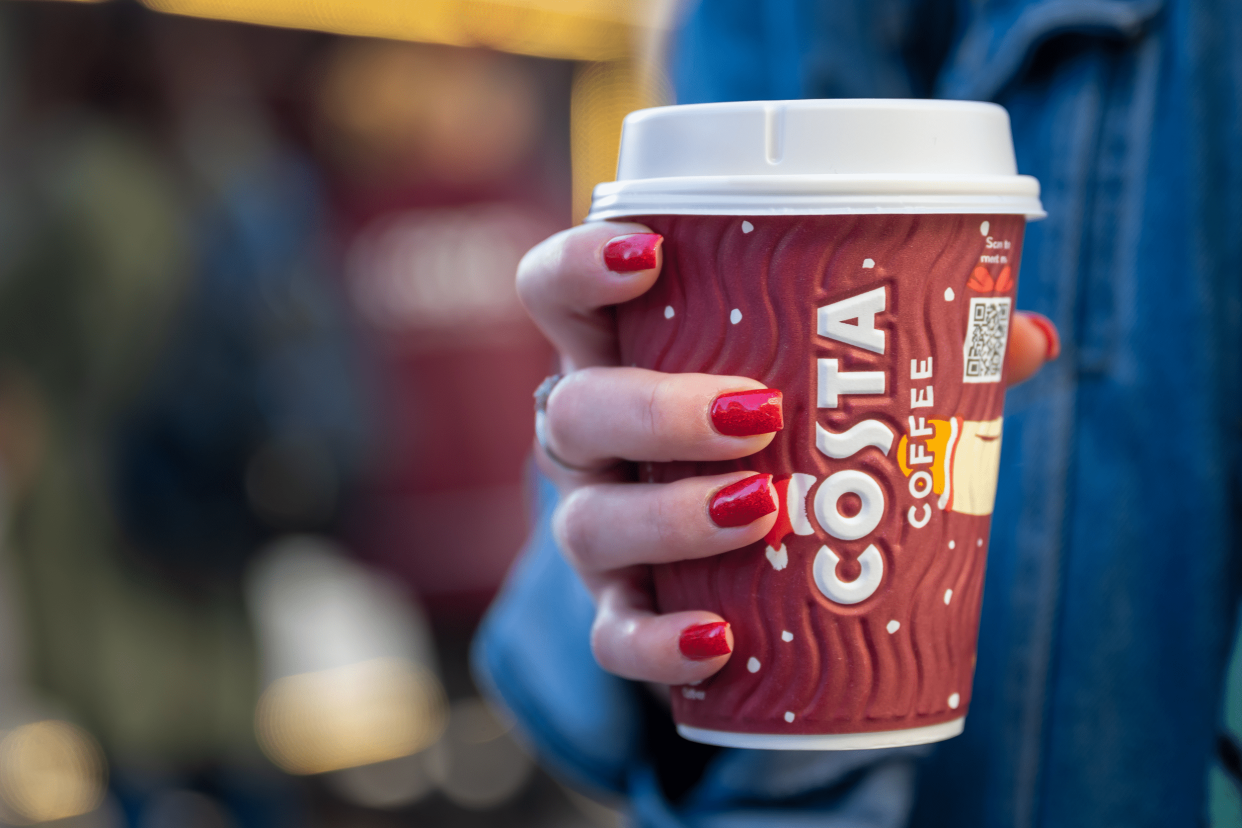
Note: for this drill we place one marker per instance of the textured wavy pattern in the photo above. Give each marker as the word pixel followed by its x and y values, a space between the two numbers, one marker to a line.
pixel 846 669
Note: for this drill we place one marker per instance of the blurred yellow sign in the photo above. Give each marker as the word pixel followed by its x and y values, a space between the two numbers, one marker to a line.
pixel 566 29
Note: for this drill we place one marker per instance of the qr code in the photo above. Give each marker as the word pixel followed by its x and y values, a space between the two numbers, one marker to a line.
pixel 986 337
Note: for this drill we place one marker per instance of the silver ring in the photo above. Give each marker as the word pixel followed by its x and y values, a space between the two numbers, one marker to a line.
pixel 542 393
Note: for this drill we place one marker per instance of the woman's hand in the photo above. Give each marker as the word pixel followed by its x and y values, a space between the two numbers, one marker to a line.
pixel 611 530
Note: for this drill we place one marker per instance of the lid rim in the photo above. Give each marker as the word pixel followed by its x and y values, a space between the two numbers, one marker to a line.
pixel 818 195
pixel 823 205
pixel 844 104
pixel 828 183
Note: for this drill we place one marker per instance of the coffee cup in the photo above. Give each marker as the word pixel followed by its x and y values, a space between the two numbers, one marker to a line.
pixel 860 256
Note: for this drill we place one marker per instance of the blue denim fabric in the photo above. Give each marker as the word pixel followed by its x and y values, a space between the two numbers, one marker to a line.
pixel 1114 567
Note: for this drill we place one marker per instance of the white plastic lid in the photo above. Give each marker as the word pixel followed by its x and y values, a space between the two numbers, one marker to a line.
pixel 818 157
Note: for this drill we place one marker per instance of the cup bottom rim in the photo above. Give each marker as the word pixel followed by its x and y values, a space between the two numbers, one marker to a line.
pixel 825 741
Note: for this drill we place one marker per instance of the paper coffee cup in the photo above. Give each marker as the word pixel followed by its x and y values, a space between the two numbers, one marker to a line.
pixel 862 257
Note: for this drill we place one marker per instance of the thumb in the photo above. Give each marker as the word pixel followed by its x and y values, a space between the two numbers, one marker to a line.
pixel 1033 341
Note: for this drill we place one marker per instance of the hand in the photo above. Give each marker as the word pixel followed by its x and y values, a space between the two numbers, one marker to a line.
pixel 611 530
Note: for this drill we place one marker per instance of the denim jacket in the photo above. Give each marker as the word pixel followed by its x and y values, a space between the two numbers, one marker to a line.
pixel 1113 572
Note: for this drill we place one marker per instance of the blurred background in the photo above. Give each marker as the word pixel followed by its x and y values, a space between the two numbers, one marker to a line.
pixel 265 395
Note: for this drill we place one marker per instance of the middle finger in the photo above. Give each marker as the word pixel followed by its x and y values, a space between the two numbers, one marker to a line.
pixel 598 414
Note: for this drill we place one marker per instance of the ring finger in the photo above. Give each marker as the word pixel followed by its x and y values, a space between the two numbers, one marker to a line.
pixel 610 526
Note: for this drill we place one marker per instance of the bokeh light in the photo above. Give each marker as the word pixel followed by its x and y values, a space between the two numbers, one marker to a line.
pixel 51 770
pixel 349 716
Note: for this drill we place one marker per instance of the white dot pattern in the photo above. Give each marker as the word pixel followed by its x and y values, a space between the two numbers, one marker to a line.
pixel 789 716
pixel 955 700
pixel 952 544
pixel 786 636
pixel 669 312
pixel 948 596
pixel 735 316
pixel 949 294
pixel 893 626
pixel 747 227
pixel 753 665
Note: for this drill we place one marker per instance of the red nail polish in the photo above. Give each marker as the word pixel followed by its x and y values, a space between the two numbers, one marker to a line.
pixel 1050 334
pixel 746 413
pixel 743 502
pixel 630 254
pixel 703 641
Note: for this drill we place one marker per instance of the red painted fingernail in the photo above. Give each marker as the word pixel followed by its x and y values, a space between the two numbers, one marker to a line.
pixel 743 502
pixel 1050 334
pixel 746 413
pixel 630 254
pixel 703 641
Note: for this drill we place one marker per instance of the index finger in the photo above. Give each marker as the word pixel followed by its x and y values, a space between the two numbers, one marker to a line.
pixel 569 282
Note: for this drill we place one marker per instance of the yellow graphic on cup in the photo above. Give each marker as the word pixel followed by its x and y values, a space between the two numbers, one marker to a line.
pixel 961 456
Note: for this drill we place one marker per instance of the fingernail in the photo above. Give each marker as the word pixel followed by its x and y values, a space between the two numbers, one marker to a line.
pixel 1051 336
pixel 630 254
pixel 743 502
pixel 746 413
pixel 703 641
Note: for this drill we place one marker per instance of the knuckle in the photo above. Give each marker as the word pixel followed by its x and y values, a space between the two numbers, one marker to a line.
pixel 668 523
pixel 571 425
pixel 653 416
pixel 610 638
pixel 555 420
pixel 571 528
pixel 599 641
pixel 536 269
pixel 662 524
pixel 667 424
pixel 563 420
pixel 528 282
pixel 562 402
pixel 526 268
